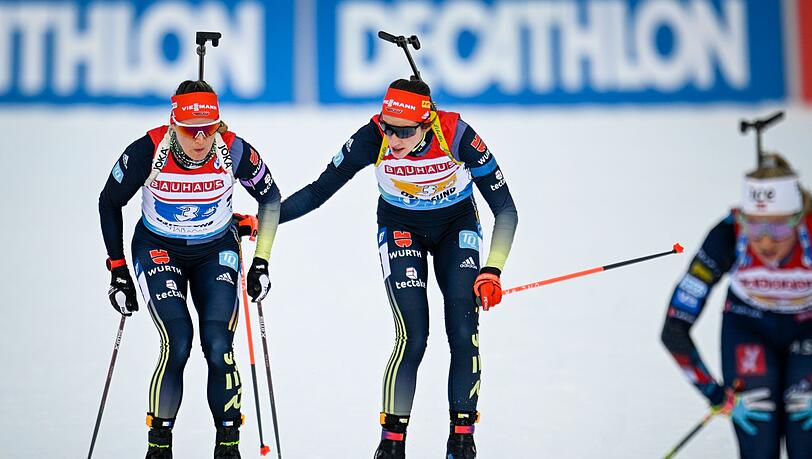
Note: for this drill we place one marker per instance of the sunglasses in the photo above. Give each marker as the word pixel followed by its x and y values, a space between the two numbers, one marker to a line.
pixel 777 231
pixel 195 130
pixel 401 132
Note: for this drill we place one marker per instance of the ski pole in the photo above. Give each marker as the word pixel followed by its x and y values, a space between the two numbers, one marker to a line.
pixel 705 420
pixel 263 449
pixel 676 249
pixel 249 225
pixel 107 385
pixel 268 374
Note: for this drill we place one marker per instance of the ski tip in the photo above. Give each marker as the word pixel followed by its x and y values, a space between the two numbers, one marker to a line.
pixel 264 450
pixel 678 248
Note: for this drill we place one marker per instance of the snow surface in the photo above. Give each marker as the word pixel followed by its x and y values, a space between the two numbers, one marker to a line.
pixel 573 370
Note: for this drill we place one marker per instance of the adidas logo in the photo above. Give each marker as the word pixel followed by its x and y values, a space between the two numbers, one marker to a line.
pixel 225 277
pixel 469 263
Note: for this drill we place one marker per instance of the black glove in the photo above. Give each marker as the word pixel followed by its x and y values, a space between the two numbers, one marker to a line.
pixel 122 291
pixel 258 281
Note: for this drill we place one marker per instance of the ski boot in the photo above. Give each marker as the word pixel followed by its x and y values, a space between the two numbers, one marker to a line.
pixel 461 436
pixel 159 438
pixel 227 443
pixel 393 437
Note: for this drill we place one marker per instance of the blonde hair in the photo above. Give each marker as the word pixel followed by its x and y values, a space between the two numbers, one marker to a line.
pixel 773 165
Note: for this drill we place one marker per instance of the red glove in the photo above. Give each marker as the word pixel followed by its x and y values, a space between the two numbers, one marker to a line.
pixel 488 287
pixel 247 225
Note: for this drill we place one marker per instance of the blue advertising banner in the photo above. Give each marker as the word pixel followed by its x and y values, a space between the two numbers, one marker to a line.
pixel 109 52
pixel 556 52
pixel 543 52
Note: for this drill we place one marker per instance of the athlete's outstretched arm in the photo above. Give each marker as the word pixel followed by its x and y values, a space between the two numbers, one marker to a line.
pixel 491 183
pixel 128 175
pixel 714 259
pixel 357 153
pixel 255 176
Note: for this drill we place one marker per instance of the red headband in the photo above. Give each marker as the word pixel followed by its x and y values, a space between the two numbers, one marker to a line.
pixel 406 105
pixel 195 105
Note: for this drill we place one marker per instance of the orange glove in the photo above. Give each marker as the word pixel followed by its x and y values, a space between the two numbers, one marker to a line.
pixel 488 287
pixel 247 225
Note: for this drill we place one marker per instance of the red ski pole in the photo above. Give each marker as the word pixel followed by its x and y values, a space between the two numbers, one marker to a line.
pixel 263 449
pixel 676 249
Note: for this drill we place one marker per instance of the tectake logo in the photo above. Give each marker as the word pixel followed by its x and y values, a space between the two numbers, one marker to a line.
pixel 414 280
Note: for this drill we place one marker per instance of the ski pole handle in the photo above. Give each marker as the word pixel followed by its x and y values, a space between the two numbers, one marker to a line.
pixel 676 249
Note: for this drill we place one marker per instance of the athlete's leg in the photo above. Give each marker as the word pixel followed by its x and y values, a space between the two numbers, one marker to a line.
pixel 456 265
pixel 403 260
pixel 746 357
pixel 798 396
pixel 213 285
pixel 163 283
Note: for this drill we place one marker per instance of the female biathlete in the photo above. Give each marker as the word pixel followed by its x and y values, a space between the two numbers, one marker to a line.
pixel 426 162
pixel 765 248
pixel 186 237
